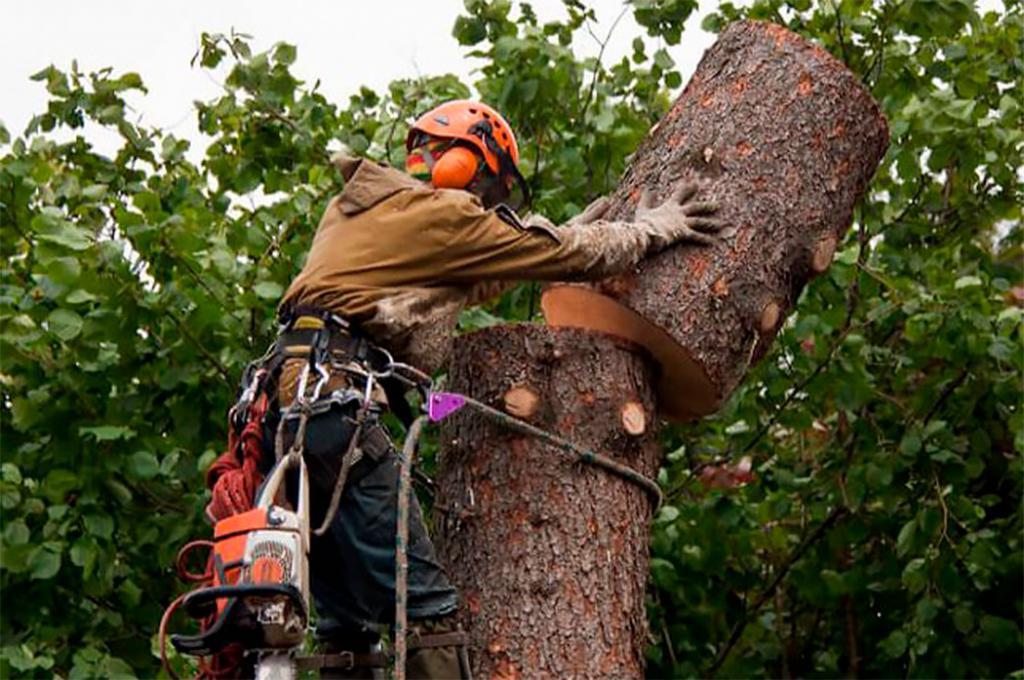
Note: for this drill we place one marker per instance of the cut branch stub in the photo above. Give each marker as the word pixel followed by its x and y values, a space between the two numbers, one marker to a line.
pixel 521 401
pixel 634 420
pixel 823 252
pixel 785 139
pixel 769 317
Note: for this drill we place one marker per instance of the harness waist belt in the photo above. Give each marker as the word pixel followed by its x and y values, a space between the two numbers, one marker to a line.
pixel 297 343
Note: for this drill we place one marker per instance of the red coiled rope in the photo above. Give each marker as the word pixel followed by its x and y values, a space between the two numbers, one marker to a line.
pixel 233 479
pixel 235 475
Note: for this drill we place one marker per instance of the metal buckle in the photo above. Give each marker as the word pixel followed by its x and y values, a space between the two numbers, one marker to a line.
pixel 349 657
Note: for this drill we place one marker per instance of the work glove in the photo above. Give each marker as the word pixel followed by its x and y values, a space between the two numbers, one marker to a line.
pixel 597 209
pixel 680 218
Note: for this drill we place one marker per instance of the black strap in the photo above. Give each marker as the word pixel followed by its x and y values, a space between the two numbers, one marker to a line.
pixel 455 638
pixel 344 660
pixel 399 405
pixel 506 166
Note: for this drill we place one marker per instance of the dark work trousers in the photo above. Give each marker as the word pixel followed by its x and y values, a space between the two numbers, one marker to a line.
pixel 352 566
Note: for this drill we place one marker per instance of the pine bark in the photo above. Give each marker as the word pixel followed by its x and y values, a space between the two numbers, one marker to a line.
pixel 785 139
pixel 550 557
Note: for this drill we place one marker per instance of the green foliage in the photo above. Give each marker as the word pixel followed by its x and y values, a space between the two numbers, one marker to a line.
pixel 882 533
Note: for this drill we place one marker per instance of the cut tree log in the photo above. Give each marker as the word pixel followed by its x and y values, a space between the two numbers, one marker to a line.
pixel 785 138
pixel 550 557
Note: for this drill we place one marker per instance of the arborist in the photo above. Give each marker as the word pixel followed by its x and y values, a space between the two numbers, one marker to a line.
pixel 394 260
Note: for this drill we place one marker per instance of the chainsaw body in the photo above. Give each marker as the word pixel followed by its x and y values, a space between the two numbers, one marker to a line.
pixel 259 595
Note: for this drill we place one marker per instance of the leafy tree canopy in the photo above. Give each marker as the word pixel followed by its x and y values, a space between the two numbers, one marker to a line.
pixel 881 534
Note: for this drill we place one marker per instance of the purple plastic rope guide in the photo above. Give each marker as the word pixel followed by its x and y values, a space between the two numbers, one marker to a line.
pixel 443 404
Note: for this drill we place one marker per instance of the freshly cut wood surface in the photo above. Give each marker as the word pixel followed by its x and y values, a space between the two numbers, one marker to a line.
pixel 785 138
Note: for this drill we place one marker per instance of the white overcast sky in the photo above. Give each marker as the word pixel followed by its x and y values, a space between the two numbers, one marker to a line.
pixel 343 43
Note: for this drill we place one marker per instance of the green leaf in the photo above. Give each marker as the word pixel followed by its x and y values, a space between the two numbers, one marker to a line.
pixel 915 576
pixel 1002 633
pixel 469 31
pixel 18 656
pixel 284 54
pixel 895 645
pixel 78 296
pixel 905 539
pixel 967 282
pixel 963 619
pixel 94 191
pixel 268 290
pixel 834 581
pixel 668 513
pixel 58 483
pixel 144 465
pixel 65 324
pixel 910 445
pixel 84 553
pixel 16 533
pixel 44 562
pixel 120 491
pixel 664 60
pixel 104 433
pixel 101 526
pixel 112 667
pixel 70 237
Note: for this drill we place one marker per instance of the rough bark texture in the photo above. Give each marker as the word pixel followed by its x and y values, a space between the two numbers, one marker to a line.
pixel 550 557
pixel 785 138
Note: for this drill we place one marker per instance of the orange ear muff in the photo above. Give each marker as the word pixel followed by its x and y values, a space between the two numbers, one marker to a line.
pixel 455 169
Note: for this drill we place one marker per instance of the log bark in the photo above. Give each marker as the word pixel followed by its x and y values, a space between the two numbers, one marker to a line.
pixel 785 138
pixel 550 556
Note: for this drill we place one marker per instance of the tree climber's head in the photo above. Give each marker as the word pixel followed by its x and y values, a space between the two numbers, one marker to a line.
pixel 467 145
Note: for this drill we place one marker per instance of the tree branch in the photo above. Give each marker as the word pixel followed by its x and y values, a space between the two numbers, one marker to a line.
pixel 738 629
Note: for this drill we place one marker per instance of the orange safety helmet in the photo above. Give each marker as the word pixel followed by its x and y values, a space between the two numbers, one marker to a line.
pixel 479 126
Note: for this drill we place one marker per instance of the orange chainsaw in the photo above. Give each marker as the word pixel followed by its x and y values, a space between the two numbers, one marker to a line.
pixel 259 576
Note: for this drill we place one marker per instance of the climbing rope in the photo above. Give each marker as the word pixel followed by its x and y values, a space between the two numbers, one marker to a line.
pixel 444 403
pixel 402 545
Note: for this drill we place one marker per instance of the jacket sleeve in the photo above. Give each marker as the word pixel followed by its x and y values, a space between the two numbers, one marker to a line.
pixel 493 244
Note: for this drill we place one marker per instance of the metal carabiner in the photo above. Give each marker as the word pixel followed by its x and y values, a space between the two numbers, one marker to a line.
pixel 254 384
pixel 300 391
pixel 368 392
pixel 324 376
pixel 389 365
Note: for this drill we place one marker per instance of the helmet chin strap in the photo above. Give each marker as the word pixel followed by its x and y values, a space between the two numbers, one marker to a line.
pixel 506 166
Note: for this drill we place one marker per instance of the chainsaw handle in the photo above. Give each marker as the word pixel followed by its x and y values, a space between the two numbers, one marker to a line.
pixel 276 480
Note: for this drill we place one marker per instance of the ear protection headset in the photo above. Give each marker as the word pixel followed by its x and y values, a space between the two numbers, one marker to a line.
pixel 457 166
pixel 455 169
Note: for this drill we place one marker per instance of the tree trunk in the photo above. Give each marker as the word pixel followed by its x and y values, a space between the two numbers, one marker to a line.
pixel 785 138
pixel 550 556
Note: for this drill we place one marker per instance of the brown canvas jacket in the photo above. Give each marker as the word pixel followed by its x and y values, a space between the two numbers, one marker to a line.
pixel 401 258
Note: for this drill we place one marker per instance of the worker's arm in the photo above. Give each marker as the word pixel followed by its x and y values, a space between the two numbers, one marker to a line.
pixel 489 244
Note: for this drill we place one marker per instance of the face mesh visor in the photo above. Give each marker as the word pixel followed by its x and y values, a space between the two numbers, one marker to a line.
pixel 420 160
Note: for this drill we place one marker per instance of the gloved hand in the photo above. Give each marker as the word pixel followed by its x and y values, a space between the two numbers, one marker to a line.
pixel 592 213
pixel 679 218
